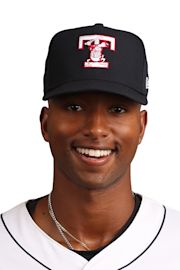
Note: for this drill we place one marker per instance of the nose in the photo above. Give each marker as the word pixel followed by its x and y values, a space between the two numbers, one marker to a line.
pixel 96 125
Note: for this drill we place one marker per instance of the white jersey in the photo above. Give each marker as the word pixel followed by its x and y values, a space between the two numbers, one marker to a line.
pixel 151 242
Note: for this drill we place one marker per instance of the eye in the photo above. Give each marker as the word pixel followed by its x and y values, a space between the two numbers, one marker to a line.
pixel 74 107
pixel 117 109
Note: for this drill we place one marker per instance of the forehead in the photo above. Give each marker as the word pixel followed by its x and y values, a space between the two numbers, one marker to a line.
pixel 97 96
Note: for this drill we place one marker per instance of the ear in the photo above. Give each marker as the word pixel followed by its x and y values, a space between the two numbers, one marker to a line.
pixel 44 120
pixel 143 123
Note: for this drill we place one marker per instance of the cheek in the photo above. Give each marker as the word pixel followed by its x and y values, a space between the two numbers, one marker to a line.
pixel 60 133
pixel 62 127
pixel 129 138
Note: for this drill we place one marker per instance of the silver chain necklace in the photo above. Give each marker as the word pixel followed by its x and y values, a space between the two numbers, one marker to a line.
pixel 61 229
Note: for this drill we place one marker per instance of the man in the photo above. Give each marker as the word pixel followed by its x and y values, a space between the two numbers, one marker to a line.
pixel 95 81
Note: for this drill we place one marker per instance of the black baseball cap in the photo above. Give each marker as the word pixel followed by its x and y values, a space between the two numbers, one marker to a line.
pixel 96 58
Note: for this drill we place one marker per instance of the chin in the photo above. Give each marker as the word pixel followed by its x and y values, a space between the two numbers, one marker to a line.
pixel 95 183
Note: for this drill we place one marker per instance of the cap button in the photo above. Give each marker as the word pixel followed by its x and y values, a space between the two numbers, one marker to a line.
pixel 98 24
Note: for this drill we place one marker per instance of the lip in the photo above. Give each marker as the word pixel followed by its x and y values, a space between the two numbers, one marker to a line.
pixel 92 161
pixel 95 147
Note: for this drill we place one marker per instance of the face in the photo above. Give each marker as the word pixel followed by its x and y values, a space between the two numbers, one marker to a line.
pixel 93 137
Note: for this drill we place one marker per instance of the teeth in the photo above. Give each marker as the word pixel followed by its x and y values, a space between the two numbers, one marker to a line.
pixel 93 152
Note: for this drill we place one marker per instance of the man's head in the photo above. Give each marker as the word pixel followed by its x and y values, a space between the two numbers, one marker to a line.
pixel 95 83
pixel 93 136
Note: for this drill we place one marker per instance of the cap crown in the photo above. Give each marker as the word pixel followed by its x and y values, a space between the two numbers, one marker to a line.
pixel 96 58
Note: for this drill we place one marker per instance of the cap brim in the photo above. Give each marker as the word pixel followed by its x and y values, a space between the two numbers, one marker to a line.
pixel 97 85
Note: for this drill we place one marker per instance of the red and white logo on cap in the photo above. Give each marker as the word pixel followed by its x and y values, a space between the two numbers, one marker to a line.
pixel 96 45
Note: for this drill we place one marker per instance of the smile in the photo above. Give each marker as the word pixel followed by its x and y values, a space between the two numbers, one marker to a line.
pixel 94 153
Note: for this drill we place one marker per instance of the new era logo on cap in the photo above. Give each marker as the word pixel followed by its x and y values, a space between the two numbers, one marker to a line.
pixel 96 58
pixel 96 45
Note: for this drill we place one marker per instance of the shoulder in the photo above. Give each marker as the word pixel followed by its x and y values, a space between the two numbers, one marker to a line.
pixel 170 219
pixel 10 230
pixel 11 221
pixel 172 222
pixel 153 206
pixel 14 214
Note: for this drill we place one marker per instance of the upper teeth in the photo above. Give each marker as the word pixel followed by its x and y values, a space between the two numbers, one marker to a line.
pixel 94 152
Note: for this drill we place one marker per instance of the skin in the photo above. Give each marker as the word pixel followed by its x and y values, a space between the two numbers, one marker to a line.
pixel 91 197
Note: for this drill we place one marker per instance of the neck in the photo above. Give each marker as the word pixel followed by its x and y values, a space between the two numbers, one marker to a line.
pixel 93 216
